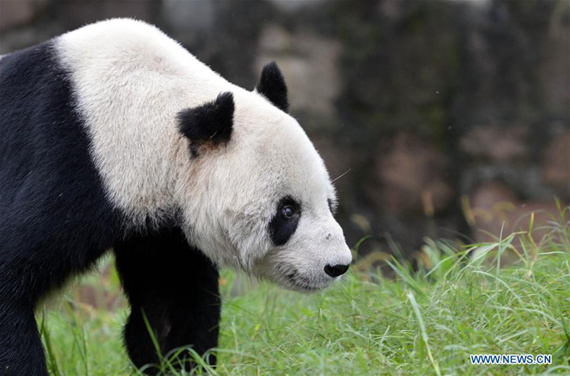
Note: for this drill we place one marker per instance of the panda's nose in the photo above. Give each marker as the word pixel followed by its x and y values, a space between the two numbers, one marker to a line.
pixel 336 270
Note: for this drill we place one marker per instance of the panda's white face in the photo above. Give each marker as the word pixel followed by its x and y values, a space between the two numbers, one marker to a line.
pixel 264 201
pixel 306 249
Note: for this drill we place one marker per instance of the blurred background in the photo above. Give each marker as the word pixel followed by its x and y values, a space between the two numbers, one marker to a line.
pixel 440 119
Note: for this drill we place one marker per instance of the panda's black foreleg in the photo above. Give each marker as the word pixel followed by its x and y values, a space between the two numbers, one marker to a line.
pixel 174 288
pixel 21 351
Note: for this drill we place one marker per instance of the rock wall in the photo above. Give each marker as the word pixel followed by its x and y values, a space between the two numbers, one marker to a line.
pixel 424 110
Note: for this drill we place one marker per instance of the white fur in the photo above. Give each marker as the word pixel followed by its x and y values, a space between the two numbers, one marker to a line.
pixel 131 80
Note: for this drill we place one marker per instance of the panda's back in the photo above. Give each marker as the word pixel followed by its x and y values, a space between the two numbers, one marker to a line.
pixel 48 182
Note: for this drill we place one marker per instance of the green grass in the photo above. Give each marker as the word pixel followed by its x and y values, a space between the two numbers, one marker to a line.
pixel 424 322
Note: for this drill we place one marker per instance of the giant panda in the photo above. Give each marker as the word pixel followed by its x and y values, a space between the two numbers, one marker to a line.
pixel 113 136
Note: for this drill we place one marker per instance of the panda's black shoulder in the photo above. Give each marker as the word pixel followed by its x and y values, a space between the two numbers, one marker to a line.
pixel 35 102
pixel 31 76
pixel 46 170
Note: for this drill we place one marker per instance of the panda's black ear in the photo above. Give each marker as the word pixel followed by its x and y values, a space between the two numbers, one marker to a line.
pixel 209 123
pixel 272 86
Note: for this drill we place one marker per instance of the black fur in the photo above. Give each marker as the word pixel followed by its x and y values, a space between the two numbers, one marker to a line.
pixel 54 218
pixel 176 287
pixel 55 222
pixel 209 123
pixel 281 228
pixel 272 86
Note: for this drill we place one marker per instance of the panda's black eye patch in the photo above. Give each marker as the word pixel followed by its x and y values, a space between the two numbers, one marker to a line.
pixel 284 222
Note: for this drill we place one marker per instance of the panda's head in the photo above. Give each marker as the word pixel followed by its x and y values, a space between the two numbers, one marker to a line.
pixel 254 192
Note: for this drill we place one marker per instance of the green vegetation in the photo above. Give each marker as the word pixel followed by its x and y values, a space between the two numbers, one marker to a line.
pixel 424 322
